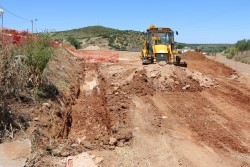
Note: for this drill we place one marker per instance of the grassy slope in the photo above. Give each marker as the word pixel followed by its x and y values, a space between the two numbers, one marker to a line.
pixel 122 39
pixel 92 31
pixel 117 39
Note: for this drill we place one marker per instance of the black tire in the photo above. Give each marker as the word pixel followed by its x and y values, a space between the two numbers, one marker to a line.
pixel 152 60
pixel 178 59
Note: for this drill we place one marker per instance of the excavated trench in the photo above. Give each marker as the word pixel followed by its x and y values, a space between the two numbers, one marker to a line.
pixel 89 116
pixel 97 116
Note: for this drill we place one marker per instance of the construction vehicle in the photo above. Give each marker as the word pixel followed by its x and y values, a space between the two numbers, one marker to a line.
pixel 159 46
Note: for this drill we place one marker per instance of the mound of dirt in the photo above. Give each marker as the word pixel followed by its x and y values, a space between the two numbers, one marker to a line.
pixel 201 63
pixel 165 77
pixel 193 55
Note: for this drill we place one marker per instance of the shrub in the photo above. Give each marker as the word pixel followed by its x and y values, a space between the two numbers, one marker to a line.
pixel 233 51
pixel 243 45
pixel 229 56
pixel 13 71
pixel 243 58
pixel 46 91
pixel 38 53
pixel 21 67
pixel 74 42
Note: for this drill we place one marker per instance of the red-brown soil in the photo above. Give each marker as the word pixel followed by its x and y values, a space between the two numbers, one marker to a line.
pixel 154 115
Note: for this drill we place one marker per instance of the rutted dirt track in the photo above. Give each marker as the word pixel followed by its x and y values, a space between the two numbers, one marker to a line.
pixel 162 115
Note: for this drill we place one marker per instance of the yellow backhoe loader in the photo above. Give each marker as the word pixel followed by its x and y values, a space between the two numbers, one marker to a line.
pixel 159 46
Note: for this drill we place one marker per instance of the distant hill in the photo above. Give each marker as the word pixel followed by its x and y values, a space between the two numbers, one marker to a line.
pixel 122 39
pixel 105 37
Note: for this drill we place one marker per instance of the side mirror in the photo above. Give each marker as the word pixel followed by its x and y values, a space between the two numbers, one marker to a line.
pixel 176 32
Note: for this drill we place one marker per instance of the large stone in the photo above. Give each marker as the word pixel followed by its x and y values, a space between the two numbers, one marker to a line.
pixel 112 141
pixel 185 87
pixel 177 82
pixel 83 160
pixel 15 153
pixel 164 117
pixel 120 143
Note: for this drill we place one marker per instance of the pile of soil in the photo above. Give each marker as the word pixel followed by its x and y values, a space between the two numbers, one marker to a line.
pixel 197 61
pixel 164 77
pixel 193 55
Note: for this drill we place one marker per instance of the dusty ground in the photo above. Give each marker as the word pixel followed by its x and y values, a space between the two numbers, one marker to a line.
pixel 124 114
pixel 174 125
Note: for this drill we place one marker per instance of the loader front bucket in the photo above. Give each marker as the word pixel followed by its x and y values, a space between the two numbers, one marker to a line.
pixel 181 64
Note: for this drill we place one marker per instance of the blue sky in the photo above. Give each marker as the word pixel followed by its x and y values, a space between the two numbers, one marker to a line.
pixel 213 21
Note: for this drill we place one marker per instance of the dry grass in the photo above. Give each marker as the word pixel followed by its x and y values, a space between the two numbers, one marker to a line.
pixel 243 57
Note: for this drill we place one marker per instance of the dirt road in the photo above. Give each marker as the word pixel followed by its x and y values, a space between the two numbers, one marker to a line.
pixel 123 114
pixel 161 115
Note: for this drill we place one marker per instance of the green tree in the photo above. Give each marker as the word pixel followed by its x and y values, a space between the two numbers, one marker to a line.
pixel 73 41
pixel 243 45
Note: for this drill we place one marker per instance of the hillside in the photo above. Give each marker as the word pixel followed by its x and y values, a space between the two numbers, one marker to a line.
pixel 123 39
pixel 105 37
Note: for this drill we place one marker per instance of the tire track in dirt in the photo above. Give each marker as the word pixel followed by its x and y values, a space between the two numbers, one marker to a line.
pixel 183 127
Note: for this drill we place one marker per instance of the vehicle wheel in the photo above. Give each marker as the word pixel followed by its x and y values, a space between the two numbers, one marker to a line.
pixel 178 59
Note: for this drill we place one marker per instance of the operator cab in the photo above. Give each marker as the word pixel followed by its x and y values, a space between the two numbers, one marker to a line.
pixel 160 38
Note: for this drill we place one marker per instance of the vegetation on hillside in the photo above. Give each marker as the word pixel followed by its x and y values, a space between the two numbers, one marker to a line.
pixel 180 45
pixel 126 40
pixel 117 39
pixel 209 48
pixel 133 41
pixel 87 32
pixel 240 51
